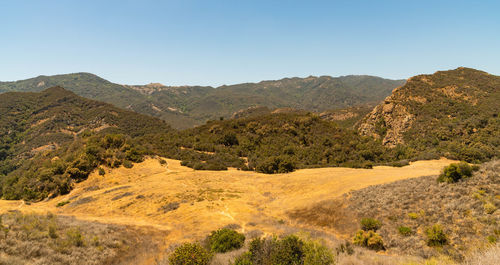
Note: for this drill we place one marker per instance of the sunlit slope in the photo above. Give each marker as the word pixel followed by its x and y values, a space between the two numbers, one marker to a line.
pixel 192 203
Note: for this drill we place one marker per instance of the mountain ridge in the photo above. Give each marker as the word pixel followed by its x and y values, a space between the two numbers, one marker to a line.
pixel 453 113
pixel 188 106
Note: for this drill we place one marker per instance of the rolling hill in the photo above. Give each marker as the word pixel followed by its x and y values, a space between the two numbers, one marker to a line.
pixel 187 106
pixel 50 138
pixel 449 113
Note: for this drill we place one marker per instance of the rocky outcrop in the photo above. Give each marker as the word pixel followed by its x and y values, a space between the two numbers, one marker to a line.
pixel 387 121
pixel 437 103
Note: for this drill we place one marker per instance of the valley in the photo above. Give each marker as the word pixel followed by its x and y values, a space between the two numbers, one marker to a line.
pixel 187 204
pixel 413 180
pixel 249 133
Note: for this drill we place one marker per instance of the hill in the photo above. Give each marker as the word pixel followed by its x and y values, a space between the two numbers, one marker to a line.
pixel 53 138
pixel 93 87
pixel 187 106
pixel 311 93
pixel 467 211
pixel 452 113
pixel 281 142
pixel 50 138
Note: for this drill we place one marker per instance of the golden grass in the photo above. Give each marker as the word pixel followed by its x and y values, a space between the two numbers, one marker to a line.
pixel 209 200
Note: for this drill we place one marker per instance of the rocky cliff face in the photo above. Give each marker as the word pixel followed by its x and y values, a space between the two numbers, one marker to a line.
pixel 388 121
pixel 447 106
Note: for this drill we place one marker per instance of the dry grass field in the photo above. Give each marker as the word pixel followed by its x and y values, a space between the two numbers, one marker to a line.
pixel 185 204
pixel 191 203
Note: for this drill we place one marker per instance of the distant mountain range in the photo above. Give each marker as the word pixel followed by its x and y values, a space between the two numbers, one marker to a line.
pixel 188 106
pixel 53 138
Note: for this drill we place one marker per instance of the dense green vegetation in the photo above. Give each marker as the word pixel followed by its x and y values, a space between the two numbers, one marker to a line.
pixel 436 236
pixel 288 250
pixel 455 172
pixel 454 114
pixel 367 236
pixel 282 142
pixel 369 239
pixel 49 140
pixel 224 240
pixel 187 106
pixel 368 224
pixel 190 254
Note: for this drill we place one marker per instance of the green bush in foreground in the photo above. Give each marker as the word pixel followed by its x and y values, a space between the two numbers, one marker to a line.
pixel 190 254
pixel 370 224
pixel 224 240
pixel 369 239
pixel 316 253
pixel 405 231
pixel 436 236
pixel 455 172
pixel 289 250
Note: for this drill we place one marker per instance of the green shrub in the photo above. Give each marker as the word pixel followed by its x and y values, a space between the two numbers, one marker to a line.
pixel 244 259
pixel 405 231
pixel 279 164
pixel 75 237
pixel 370 224
pixel 489 208
pixel 455 172
pixel 224 240
pixel 101 171
pixel 127 164
pixel 190 254
pixel 60 204
pixel 229 139
pixel 436 236
pixel 369 239
pixel 413 215
pixel 53 231
pixel 289 250
pixel 316 253
pixel 492 239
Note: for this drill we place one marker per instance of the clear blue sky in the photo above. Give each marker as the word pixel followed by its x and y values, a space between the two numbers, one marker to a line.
pixel 210 42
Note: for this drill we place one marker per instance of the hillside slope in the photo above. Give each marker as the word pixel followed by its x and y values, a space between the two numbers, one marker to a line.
pixel 51 137
pixel 94 87
pixel 466 210
pixel 281 142
pixel 311 93
pixel 187 106
pixel 452 113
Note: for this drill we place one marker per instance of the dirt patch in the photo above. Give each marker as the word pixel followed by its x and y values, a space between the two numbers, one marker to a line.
pixel 169 207
pixel 81 201
pixel 126 194
pixel 115 189
pixel 331 214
